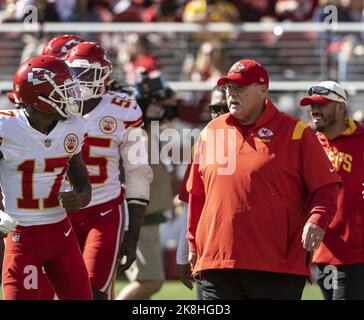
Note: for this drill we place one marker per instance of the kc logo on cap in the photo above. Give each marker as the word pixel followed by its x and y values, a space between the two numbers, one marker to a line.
pixel 237 68
pixel 246 72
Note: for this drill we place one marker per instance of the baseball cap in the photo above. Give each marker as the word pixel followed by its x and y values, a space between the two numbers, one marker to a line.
pixel 323 93
pixel 246 72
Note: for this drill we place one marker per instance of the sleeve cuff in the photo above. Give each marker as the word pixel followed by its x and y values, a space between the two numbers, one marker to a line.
pixel 322 220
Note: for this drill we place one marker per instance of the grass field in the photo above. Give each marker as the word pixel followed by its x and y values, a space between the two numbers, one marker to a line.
pixel 174 290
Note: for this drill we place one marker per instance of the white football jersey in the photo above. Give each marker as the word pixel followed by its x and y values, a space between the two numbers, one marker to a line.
pixel 108 127
pixel 33 168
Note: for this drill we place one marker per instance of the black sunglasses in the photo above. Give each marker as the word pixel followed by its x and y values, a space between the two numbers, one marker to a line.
pixel 218 108
pixel 322 91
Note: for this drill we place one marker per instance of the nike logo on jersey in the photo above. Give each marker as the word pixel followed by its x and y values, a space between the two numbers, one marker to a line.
pixel 332 170
pixel 105 213
pixel 68 232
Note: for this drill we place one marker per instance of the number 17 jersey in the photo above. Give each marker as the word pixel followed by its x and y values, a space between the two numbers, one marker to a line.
pixel 34 165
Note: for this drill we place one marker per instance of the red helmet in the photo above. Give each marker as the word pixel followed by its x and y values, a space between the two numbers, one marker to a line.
pixel 59 46
pixel 93 67
pixel 12 97
pixel 48 85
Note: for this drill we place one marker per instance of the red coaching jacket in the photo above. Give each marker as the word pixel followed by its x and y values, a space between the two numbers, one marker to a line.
pixel 344 239
pixel 253 217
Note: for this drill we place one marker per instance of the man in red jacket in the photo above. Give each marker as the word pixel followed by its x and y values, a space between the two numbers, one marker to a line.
pixel 340 257
pixel 256 214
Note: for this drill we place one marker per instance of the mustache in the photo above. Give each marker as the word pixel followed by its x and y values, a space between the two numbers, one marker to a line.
pixel 316 114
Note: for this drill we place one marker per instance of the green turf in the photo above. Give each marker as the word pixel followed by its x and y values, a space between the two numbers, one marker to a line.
pixel 175 290
pixel 171 290
pixel 312 292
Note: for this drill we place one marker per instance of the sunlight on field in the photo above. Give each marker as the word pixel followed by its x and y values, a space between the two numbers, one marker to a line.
pixel 174 290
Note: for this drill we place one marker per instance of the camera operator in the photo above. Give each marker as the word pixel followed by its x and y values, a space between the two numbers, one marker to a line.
pixel 146 275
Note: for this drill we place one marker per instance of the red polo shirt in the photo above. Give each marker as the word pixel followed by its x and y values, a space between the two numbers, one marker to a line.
pixel 254 213
pixel 183 193
pixel 344 239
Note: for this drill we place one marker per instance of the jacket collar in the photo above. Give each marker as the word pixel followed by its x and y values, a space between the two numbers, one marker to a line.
pixel 270 110
pixel 351 127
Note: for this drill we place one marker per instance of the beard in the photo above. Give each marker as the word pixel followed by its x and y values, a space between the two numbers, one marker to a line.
pixel 324 123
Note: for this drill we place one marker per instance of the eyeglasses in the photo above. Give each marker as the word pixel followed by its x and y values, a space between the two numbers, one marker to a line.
pixel 322 91
pixel 218 108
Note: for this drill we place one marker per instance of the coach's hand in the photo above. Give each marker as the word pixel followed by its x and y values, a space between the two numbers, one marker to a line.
pixel 70 200
pixel 184 272
pixel 312 236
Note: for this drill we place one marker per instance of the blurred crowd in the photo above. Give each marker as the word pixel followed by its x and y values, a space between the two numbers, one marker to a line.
pixel 342 54
pixel 200 11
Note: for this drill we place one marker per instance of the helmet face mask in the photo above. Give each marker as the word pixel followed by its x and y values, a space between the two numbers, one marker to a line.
pixel 93 79
pixel 66 98
pixel 48 85
pixel 93 68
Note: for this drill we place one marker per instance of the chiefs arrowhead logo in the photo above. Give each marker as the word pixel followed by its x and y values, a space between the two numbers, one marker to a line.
pixel 71 143
pixel 108 125
pixel 36 76
pixel 237 68
pixel 264 132
pixel 69 44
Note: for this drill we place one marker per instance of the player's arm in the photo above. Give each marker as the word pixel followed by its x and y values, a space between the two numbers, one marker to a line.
pixel 7 224
pixel 138 176
pixel 80 196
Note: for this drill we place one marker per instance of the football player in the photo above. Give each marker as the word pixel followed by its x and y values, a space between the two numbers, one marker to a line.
pixel 59 46
pixel 114 121
pixel 39 144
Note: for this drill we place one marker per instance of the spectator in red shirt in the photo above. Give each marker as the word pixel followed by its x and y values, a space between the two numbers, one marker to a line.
pixel 129 10
pixel 255 11
pixel 137 58
pixel 340 257
pixel 208 65
pixel 261 201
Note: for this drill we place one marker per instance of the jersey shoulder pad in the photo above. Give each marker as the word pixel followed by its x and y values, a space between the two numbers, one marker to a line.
pixel 7 117
pixel 125 109
pixel 75 123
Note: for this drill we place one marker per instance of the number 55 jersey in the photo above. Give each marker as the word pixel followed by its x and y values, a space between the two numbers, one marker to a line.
pixel 113 133
pixel 33 168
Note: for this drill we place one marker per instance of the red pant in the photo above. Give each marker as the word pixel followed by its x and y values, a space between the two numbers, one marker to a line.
pixel 100 230
pixel 52 247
